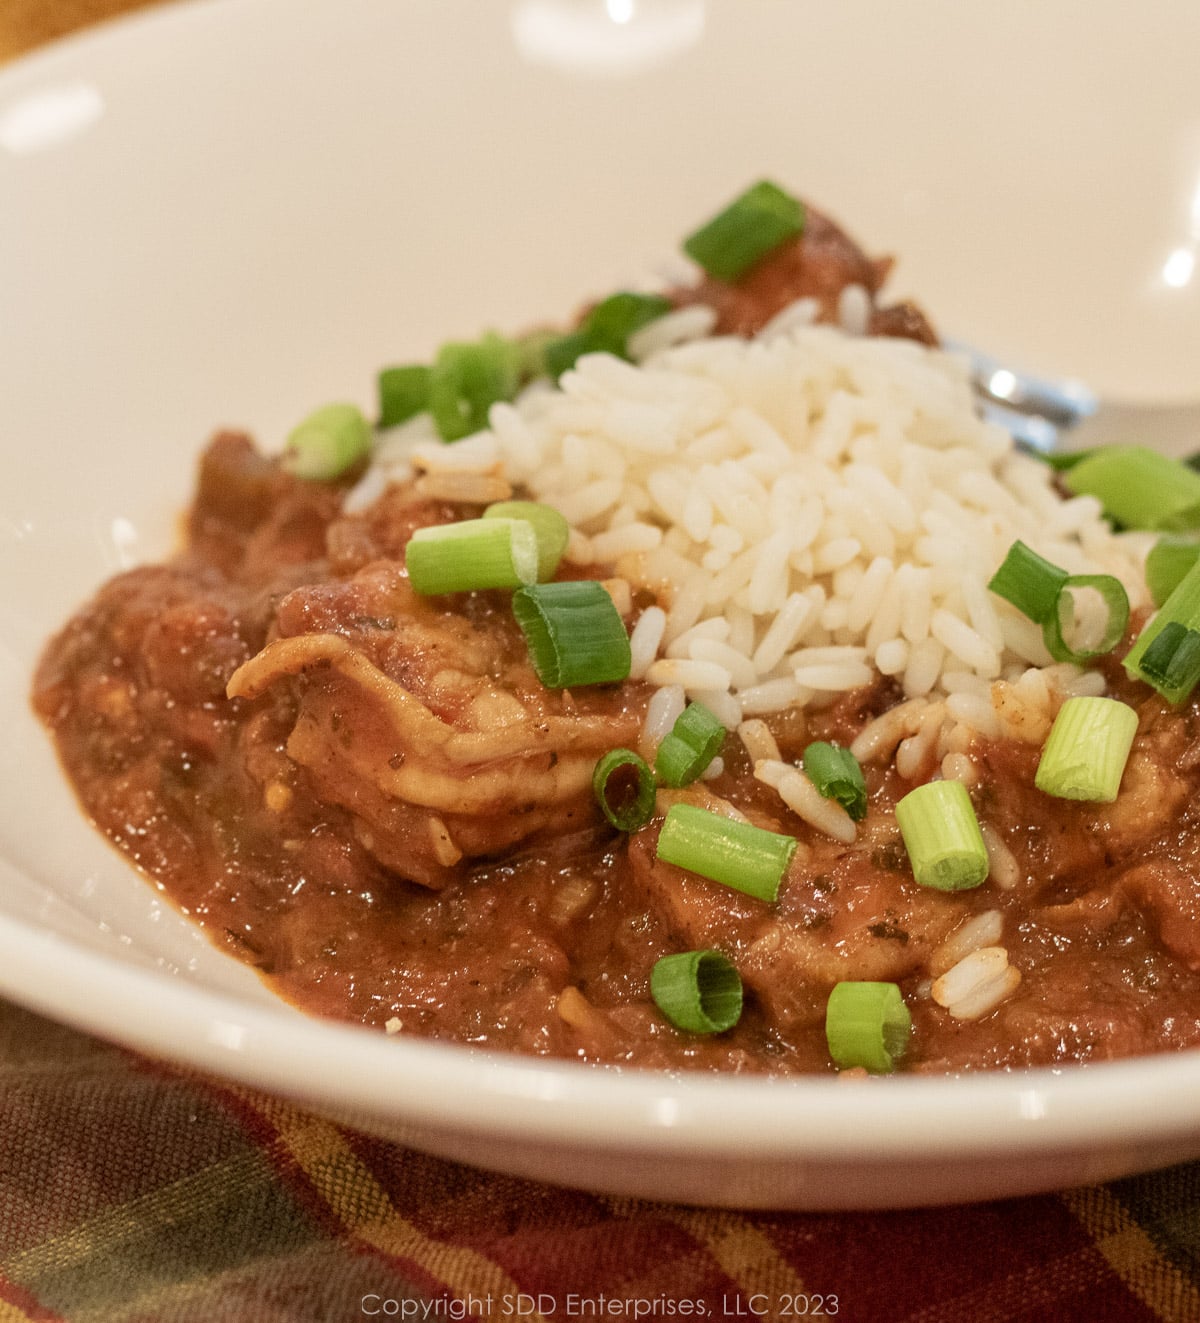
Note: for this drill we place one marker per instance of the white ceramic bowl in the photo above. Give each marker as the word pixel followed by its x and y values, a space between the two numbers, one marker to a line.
pixel 228 212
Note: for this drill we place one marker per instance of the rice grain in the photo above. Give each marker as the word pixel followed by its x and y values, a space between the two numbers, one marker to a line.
pixel 977 983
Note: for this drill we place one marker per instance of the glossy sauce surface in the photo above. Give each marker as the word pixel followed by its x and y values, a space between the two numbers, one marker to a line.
pixel 393 820
pixel 540 936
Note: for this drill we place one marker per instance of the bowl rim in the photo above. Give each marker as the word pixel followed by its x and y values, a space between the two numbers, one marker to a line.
pixel 459 1089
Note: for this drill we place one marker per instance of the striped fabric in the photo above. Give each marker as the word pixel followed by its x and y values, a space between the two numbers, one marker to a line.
pixel 132 1192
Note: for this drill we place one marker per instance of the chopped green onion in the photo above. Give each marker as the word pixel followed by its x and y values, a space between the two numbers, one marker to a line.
pixel 612 321
pixel 868 1025
pixel 698 991
pixel 467 379
pixel 1172 660
pixel 1139 487
pixel 1031 583
pixel 736 854
pixel 562 353
pixel 692 743
pixel 473 554
pixel 1061 460
pixel 531 353
pixel 1116 603
pixel 836 774
pixel 754 224
pixel 553 531
pixel 624 787
pixel 1086 751
pixel 1181 607
pixel 1041 591
pixel 941 834
pixel 1169 560
pixel 606 328
pixel 328 443
pixel 403 393
pixel 574 631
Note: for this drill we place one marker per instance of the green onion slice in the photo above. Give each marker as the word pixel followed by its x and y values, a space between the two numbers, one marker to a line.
pixel 612 321
pixel 403 393
pixel 736 854
pixel 753 225
pixel 624 788
pixel 561 353
pixel 552 530
pixel 467 379
pixel 698 991
pixel 837 775
pixel 574 631
pixel 473 554
pixel 941 834
pixel 328 442
pixel 1182 608
pixel 1055 626
pixel 1169 560
pixel 1042 591
pixel 530 352
pixel 1030 582
pixel 464 382
pixel 606 328
pixel 1139 487
pixel 1172 661
pixel 867 1024
pixel 692 743
pixel 1086 751
pixel 1061 460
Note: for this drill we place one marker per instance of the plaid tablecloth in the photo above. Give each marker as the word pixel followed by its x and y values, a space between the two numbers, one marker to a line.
pixel 131 1191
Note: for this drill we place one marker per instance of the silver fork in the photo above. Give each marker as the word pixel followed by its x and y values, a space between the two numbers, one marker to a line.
pixel 1045 415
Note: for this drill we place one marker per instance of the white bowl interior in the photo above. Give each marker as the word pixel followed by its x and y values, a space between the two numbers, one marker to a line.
pixel 229 212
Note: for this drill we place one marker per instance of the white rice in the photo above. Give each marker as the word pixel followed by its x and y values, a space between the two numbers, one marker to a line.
pixel 760 743
pixel 645 639
pixel 977 983
pixel 983 929
pixel 805 800
pixel 811 509
pixel 662 712
pixel 1003 869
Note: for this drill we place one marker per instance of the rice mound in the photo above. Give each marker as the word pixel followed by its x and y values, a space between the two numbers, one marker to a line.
pixel 810 508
